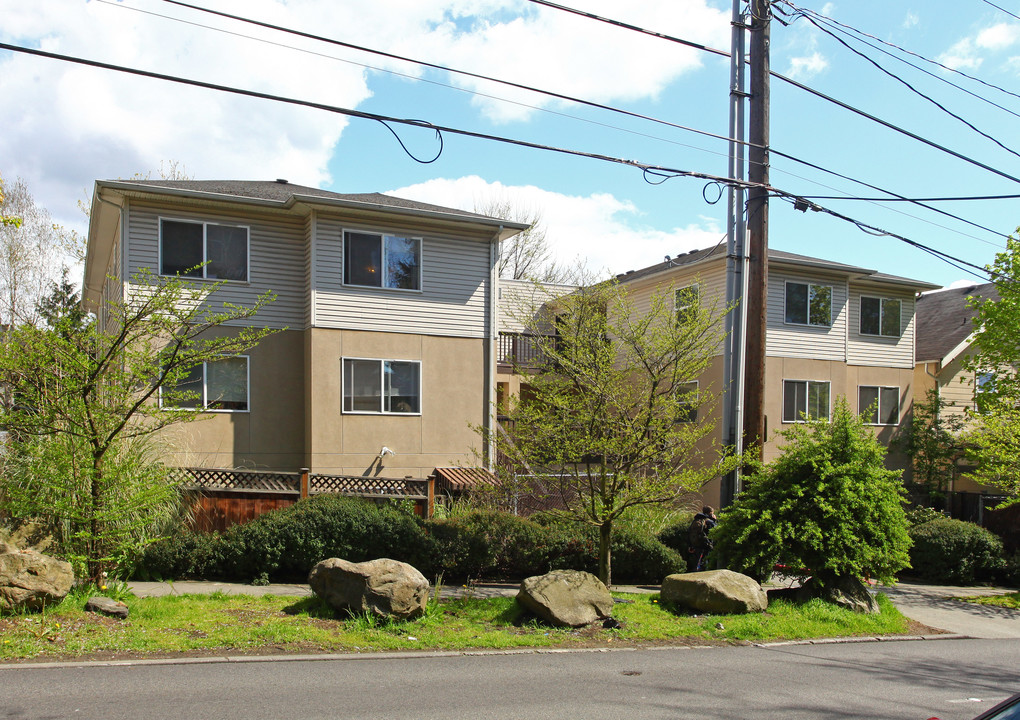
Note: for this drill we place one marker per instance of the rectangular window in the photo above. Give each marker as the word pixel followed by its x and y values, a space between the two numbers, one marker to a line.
pixel 808 304
pixel 879 405
pixel 220 385
pixel 805 400
pixel 383 261
pixel 203 250
pixel 687 397
pixel 382 386
pixel 880 316
pixel 686 302
pixel 984 385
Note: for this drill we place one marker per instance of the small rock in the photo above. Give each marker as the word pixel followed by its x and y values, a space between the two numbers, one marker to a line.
pixel 107 606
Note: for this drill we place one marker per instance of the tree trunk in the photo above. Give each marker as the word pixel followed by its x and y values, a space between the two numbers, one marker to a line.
pixel 605 558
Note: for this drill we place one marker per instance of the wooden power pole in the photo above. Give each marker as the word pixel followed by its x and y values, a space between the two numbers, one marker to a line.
pixel 758 230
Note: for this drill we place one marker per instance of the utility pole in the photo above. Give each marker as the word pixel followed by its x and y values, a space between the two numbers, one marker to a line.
pixel 758 231
pixel 736 261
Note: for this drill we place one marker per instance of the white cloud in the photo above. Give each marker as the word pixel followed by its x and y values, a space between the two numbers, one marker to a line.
pixel 999 37
pixel 71 124
pixel 806 67
pixel 970 52
pixel 598 229
pixel 911 20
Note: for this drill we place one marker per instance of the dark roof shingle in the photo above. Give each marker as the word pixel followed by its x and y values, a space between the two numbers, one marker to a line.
pixel 944 320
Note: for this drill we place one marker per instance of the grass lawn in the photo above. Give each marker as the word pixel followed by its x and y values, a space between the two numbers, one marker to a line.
pixel 220 624
pixel 1009 600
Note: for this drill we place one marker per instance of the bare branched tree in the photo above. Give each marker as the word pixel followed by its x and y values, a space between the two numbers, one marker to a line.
pixel 527 255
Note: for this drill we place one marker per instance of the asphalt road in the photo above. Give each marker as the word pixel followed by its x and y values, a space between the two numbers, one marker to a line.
pixel 953 679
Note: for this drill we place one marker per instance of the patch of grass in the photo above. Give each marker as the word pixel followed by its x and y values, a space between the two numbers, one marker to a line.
pixel 1009 600
pixel 202 624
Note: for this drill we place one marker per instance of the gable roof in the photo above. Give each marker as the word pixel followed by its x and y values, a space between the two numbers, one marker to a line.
pixel 776 257
pixel 944 321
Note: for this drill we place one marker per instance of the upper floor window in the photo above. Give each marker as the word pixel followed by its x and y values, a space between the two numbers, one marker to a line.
pixel 984 386
pixel 219 385
pixel 687 398
pixel 383 261
pixel 880 316
pixel 686 302
pixel 203 250
pixel 879 405
pixel 382 386
pixel 805 400
pixel 808 304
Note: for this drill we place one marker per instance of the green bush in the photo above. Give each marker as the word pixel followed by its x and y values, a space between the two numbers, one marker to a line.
pixel 955 552
pixel 920 514
pixel 675 536
pixel 489 544
pixel 185 555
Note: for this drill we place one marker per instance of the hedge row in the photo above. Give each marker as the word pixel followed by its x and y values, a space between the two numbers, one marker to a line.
pixel 957 552
pixel 283 545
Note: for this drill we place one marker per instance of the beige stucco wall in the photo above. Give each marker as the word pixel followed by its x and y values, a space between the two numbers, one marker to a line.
pixel 453 387
pixel 271 434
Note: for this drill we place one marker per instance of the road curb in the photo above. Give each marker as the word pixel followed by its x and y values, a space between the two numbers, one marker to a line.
pixel 411 654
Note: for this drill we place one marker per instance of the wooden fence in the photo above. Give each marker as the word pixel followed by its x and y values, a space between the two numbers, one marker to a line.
pixel 228 497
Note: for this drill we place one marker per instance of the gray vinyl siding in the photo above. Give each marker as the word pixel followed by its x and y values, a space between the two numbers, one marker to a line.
pixel 876 350
pixel 276 258
pixel 113 285
pixel 806 341
pixel 521 300
pixel 453 300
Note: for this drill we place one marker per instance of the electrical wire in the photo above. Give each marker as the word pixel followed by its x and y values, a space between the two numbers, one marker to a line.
pixel 560 96
pixel 858 36
pixel 1001 8
pixel 660 171
pixel 910 87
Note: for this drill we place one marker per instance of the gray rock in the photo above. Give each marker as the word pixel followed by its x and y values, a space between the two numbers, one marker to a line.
pixel 30 580
pixel 566 597
pixel 107 606
pixel 848 592
pixel 388 588
pixel 716 592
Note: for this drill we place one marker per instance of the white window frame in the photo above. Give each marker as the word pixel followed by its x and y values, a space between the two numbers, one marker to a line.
pixel 684 310
pixel 807 320
pixel 879 414
pixel 802 417
pixel 881 316
pixel 382 387
pixel 382 255
pixel 205 390
pixel 205 249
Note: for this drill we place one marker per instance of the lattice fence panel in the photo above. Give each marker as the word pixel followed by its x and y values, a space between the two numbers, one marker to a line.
pixel 250 480
pixel 367 486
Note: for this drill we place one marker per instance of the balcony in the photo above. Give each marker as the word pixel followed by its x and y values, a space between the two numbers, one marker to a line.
pixel 519 350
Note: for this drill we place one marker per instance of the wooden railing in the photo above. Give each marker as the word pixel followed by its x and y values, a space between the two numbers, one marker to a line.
pixel 520 349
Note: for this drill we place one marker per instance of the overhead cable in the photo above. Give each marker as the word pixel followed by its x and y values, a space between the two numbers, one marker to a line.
pixel 646 168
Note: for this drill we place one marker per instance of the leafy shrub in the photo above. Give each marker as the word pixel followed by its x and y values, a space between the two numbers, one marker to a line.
pixel 185 555
pixel 955 552
pixel 675 536
pixel 1010 573
pixel 827 503
pixel 920 514
pixel 490 544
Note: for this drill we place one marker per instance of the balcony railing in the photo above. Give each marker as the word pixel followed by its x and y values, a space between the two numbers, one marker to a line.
pixel 520 349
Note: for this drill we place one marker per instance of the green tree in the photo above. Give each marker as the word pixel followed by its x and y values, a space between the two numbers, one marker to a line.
pixel 932 442
pixel 83 456
pixel 5 219
pixel 614 419
pixel 993 443
pixel 826 504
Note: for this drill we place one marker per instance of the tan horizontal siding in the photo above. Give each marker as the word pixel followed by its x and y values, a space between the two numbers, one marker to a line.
pixel 883 351
pixel 804 341
pixel 452 301
pixel 276 258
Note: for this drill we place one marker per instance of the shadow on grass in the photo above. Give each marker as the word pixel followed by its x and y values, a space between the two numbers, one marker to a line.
pixel 314 607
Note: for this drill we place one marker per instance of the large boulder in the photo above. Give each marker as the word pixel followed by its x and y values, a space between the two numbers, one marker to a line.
pixel 384 587
pixel 569 598
pixel 848 592
pixel 716 592
pixel 30 580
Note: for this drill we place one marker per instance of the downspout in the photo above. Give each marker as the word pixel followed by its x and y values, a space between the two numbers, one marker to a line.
pixel 122 247
pixel 490 354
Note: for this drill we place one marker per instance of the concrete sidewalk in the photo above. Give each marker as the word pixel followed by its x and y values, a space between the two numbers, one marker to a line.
pixel 934 605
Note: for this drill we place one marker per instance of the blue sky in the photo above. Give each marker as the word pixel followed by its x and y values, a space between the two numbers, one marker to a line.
pixel 65 126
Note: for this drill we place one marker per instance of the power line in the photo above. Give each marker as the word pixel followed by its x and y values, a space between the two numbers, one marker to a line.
pixel 914 200
pixel 645 167
pixel 560 96
pixel 942 66
pixel 1001 8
